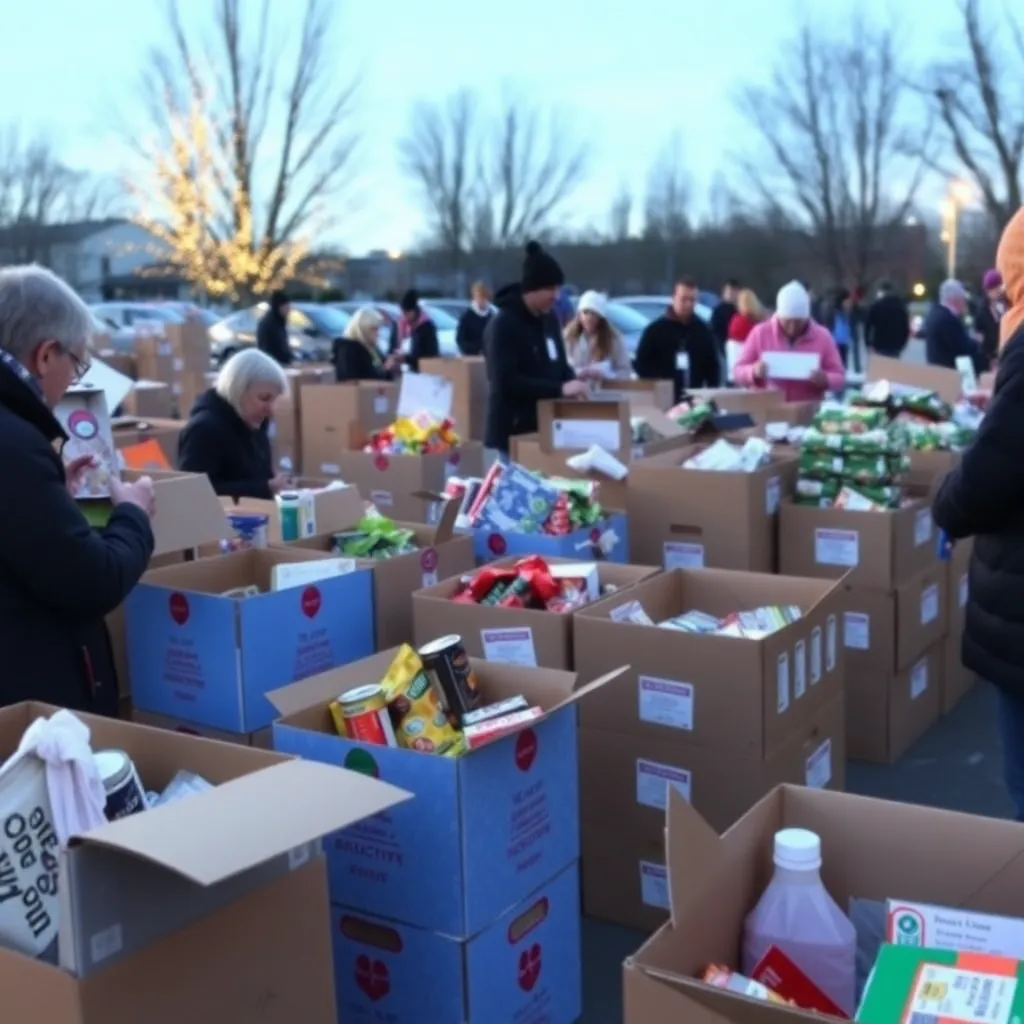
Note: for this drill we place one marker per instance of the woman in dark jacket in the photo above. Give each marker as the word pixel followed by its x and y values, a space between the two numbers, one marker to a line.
pixel 226 434
pixel 984 498
pixel 356 355
pixel 989 312
pixel 417 334
pixel 59 577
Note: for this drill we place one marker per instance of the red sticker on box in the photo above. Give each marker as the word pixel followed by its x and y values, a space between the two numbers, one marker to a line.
pixel 428 560
pixel 453 459
pixel 526 750
pixel 496 544
pixel 179 608
pixel 382 462
pixel 311 602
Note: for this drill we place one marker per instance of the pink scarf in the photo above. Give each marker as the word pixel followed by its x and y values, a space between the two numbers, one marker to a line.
pixel 405 328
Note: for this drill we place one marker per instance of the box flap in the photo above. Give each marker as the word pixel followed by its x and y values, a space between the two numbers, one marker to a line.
pixel 662 425
pixel 445 528
pixel 946 383
pixel 212 836
pixel 693 854
pixel 113 384
pixel 567 425
pixel 188 513
pixel 323 688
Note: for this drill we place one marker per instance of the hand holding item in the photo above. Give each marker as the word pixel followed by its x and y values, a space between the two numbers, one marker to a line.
pixel 818 379
pixel 393 361
pixel 758 371
pixel 575 389
pixel 139 493
pixel 76 470
pixel 281 482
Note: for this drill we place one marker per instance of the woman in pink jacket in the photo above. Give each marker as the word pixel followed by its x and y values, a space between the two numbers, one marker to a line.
pixel 791 330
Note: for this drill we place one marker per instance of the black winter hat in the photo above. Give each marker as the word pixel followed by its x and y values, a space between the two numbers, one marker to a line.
pixel 540 269
pixel 410 301
pixel 279 299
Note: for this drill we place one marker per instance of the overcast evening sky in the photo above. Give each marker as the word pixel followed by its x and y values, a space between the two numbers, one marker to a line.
pixel 628 74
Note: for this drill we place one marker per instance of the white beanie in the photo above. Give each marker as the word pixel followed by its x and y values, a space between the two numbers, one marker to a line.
pixel 793 302
pixel 594 302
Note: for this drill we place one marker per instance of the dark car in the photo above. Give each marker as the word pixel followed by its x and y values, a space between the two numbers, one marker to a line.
pixel 312 330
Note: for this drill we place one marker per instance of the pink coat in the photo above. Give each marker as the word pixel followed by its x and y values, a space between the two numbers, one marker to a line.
pixel 769 337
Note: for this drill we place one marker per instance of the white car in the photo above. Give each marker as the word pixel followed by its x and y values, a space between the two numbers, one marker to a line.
pixel 119 320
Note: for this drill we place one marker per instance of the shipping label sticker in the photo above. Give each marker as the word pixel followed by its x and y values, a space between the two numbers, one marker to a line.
pixel 772 493
pixel 930 604
pixel 837 547
pixel 653 781
pixel 654 885
pixel 816 656
pixel 382 499
pixel 380 405
pixel 514 646
pixel 922 527
pixel 857 631
pixel 782 682
pixel 830 644
pixel 799 669
pixel 666 702
pixel 919 679
pixel 678 555
pixel 818 767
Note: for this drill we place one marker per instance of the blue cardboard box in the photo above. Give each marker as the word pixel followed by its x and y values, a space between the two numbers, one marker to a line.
pixel 606 541
pixel 198 655
pixel 525 966
pixel 485 830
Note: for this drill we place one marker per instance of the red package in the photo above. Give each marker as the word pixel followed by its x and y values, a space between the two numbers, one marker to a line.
pixel 557 524
pixel 490 479
pixel 486 580
pixel 780 975
pixel 538 575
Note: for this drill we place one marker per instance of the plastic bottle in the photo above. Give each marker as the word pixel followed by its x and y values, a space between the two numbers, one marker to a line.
pixel 797 914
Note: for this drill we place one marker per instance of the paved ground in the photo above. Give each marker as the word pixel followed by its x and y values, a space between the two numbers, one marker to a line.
pixel 956 765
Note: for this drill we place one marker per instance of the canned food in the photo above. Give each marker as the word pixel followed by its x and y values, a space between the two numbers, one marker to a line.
pixel 288 510
pixel 419 718
pixel 365 713
pixel 447 666
pixel 121 782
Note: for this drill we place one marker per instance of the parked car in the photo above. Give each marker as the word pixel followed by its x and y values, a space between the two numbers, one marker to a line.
pixel 628 322
pixel 453 307
pixel 121 319
pixel 652 306
pixel 444 322
pixel 312 330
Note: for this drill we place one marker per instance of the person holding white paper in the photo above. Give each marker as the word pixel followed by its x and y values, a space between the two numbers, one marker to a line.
pixel 791 351
pixel 594 347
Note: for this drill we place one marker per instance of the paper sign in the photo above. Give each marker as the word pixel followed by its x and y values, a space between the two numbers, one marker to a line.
pixel 514 646
pixel 816 656
pixel 836 547
pixel 115 386
pixel 425 392
pixel 666 702
pixel 146 455
pixel 567 434
pixel 654 885
pixel 791 365
pixel 919 679
pixel 968 378
pixel 930 604
pixel 300 574
pixel 653 780
pixel 857 631
pixel 818 767
pixel 732 357
pixel 680 555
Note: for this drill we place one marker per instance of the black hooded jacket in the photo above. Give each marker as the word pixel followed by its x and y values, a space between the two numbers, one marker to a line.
pixel 218 442
pixel 664 339
pixel 526 362
pixel 272 335
pixel 58 576
pixel 984 498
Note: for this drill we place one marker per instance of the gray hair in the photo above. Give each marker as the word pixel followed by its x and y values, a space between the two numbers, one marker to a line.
pixel 951 290
pixel 37 306
pixel 247 369
pixel 363 321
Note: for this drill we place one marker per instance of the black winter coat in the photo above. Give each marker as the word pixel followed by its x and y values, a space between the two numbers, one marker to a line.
pixel 887 327
pixel 946 338
pixel 721 317
pixel 664 339
pixel 217 441
pixel 354 361
pixel 58 576
pixel 272 337
pixel 470 335
pixel 526 362
pixel 423 344
pixel 984 498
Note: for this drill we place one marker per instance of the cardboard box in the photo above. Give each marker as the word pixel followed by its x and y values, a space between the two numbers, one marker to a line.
pixel 527 959
pixel 691 518
pixel 188 388
pixel 567 426
pixel 468 375
pixel 887 711
pixel 946 383
pixel 211 660
pixel 153 354
pixel 329 412
pixel 262 738
pixel 879 549
pixel 607 540
pixel 163 930
pixel 441 555
pixel 514 803
pixel 796 414
pixel 956 679
pixel 190 347
pixel 149 398
pixel 755 402
pixel 518 635
pixel 656 394
pixel 740 695
pixel 129 431
pixel 871 849
pixel 624 876
pixel 333 508
pixel 285 429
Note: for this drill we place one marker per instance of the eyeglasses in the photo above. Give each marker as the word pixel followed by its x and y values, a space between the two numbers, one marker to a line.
pixel 82 367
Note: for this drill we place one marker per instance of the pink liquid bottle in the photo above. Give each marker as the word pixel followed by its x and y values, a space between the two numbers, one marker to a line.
pixel 797 914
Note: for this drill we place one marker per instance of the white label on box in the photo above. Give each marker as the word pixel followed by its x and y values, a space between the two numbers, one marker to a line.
pixel 106 943
pixel 772 492
pixel 919 679
pixel 637 451
pixel 433 513
pixel 799 669
pixel 429 579
pixel 653 780
pixel 830 643
pixel 380 405
pixel 930 604
pixel 666 702
pixel 298 856
pixel 330 469
pixel 423 393
pixel 955 995
pixel 782 682
pixel 962 591
pixel 164 348
pixel 923 527
pixel 818 767
pixel 816 656
pixel 382 499
pixel 654 885
pixel 677 555
pixel 514 646
pixel 178 364
pixel 857 631
pixel 836 547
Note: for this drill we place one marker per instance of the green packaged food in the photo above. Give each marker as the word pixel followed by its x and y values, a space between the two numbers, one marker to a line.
pixel 871 442
pixel 807 487
pixel 835 418
pixel 695 416
pixel 375 537
pixel 865 469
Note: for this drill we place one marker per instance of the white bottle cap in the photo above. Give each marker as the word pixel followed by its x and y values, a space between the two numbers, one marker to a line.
pixel 797 849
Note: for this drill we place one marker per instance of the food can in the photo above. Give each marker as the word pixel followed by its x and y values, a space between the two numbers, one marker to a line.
pixel 288 509
pixel 447 666
pixel 121 782
pixel 419 718
pixel 251 531
pixel 365 711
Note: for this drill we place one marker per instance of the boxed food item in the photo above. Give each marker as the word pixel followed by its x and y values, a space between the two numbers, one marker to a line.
pixel 83 414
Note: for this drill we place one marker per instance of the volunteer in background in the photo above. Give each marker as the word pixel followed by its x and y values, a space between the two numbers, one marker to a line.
pixel 722 314
pixel 226 435
pixel 791 329
pixel 678 346
pixel 887 327
pixel 984 498
pixel 839 319
pixel 524 352
pixel 356 355
pixel 594 348
pixel 417 335
pixel 58 576
pixel 990 310
pixel 945 334
pixel 470 334
pixel 749 313
pixel 272 330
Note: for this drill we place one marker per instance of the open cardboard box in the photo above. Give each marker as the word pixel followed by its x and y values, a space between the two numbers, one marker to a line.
pixel 514 802
pixel 871 849
pixel 659 394
pixel 566 426
pixel 945 382
pixel 334 508
pixel 167 913
pixel 327 413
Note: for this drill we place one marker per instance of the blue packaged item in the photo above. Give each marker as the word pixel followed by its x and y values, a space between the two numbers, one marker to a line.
pixel 250 530
pixel 520 502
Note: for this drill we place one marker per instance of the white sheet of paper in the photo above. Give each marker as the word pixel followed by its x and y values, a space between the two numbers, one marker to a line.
pixel 732 357
pixel 968 378
pixel 566 434
pixel 424 392
pixel 791 365
pixel 300 574
pixel 101 377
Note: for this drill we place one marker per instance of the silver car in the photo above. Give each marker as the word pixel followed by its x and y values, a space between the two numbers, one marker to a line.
pixel 652 306
pixel 120 319
pixel 312 331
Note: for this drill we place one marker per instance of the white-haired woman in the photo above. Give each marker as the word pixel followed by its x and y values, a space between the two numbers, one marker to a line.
pixel 226 434
pixel 356 355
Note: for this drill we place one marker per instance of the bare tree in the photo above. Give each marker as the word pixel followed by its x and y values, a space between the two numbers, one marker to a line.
pixel 620 214
pixel 833 137
pixel 253 156
pixel 975 100
pixel 667 203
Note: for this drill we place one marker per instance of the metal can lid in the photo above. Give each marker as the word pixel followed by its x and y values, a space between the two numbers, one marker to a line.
pixel 361 693
pixel 442 643
pixel 111 763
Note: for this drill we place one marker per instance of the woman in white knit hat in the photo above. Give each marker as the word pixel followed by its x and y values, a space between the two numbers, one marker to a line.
pixel 594 347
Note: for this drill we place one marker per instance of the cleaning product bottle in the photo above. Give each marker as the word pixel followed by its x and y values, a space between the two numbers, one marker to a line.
pixel 797 914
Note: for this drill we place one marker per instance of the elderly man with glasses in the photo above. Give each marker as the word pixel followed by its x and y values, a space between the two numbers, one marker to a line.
pixel 58 576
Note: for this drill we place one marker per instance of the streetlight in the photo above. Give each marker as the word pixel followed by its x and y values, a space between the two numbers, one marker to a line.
pixel 959 196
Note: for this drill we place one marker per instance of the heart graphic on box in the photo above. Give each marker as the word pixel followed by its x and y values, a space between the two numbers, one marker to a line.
pixel 529 967
pixel 382 462
pixel 179 608
pixel 311 602
pixel 496 544
pixel 526 750
pixel 428 560
pixel 373 979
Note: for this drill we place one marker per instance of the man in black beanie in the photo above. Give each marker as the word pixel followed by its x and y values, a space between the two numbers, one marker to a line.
pixel 417 334
pixel 524 352
pixel 272 330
